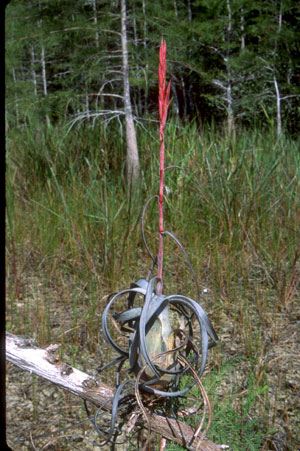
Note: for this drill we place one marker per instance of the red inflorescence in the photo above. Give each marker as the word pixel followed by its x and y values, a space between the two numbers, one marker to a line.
pixel 164 93
pixel 163 102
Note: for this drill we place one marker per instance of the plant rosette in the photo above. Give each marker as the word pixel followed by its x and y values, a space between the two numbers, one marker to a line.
pixel 159 331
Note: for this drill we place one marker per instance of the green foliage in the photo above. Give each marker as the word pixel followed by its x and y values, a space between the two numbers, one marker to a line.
pixel 242 428
pixel 235 425
pixel 76 56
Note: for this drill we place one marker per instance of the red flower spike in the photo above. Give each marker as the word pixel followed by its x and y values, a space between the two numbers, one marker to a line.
pixel 163 103
pixel 164 94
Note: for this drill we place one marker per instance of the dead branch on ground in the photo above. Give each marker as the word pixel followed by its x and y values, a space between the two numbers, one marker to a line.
pixel 46 364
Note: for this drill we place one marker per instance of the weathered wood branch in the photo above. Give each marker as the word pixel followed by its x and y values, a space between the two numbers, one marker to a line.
pixel 46 364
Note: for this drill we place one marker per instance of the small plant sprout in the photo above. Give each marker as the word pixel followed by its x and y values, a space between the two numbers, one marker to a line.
pixel 161 337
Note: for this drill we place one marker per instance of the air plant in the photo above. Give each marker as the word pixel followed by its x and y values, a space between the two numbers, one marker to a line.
pixel 163 337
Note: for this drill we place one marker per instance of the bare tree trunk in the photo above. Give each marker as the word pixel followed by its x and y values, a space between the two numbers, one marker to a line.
pixel 184 95
pixel 144 24
pixel 95 20
pixel 175 8
pixel 230 119
pixel 230 113
pixel 190 88
pixel 277 91
pixel 175 97
pixel 135 31
pixel 147 65
pixel 44 77
pixel 43 62
pixel 138 100
pixel 33 72
pixel 132 156
pixel 44 72
pixel 189 6
pixel 243 44
pixel 278 106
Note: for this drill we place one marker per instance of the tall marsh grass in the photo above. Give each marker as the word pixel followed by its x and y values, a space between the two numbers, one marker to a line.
pixel 73 231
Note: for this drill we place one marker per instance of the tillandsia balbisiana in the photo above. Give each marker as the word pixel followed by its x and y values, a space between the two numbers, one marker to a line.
pixel 161 337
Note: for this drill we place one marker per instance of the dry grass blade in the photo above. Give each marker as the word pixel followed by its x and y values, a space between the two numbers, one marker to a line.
pixel 207 404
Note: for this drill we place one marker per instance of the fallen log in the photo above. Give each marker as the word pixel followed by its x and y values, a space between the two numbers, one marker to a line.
pixel 46 364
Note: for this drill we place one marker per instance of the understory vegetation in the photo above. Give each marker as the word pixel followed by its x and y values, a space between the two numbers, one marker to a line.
pixel 73 237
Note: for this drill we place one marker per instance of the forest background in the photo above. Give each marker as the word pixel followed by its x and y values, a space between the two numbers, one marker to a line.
pixel 73 223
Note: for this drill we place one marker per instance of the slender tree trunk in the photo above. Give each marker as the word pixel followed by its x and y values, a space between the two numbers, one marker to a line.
pixel 44 77
pixel 33 72
pixel 276 86
pixel 184 96
pixel 132 157
pixel 280 18
pixel 95 20
pixel 230 113
pixel 189 7
pixel 144 24
pixel 175 98
pixel 135 31
pixel 190 84
pixel 44 71
pixel 230 118
pixel 147 65
pixel 138 98
pixel 278 106
pixel 175 8
pixel 243 45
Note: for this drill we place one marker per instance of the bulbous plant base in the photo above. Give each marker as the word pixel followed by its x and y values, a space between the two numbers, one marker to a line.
pixel 157 342
pixel 161 338
pixel 151 334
